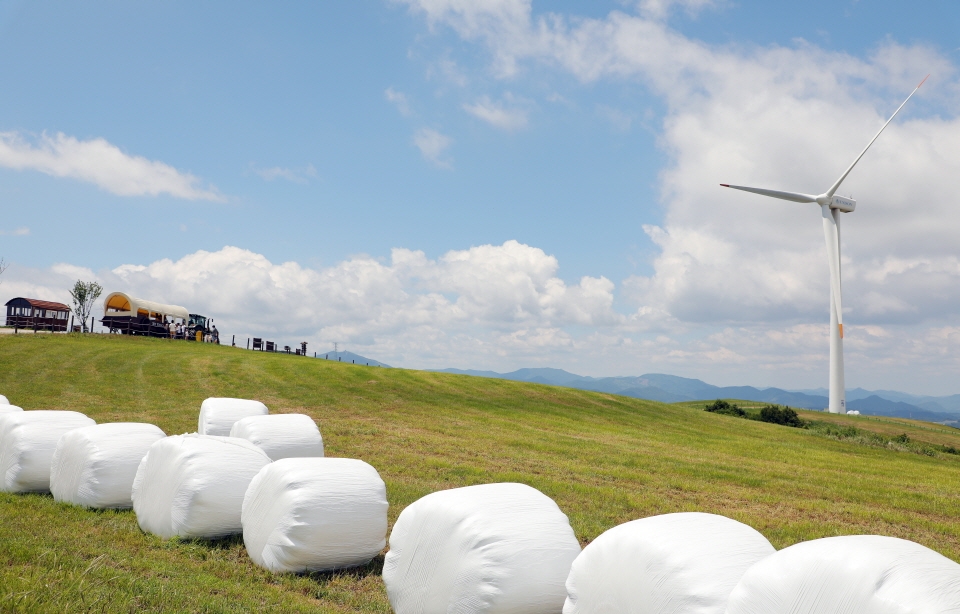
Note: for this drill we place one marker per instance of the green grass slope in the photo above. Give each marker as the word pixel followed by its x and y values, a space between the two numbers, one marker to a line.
pixel 604 459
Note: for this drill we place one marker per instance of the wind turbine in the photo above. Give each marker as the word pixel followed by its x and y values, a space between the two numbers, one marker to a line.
pixel 830 207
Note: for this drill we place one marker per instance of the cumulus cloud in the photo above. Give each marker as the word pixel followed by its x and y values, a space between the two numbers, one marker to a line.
pixel 301 174
pixel 497 114
pixel 432 145
pixel 488 297
pixel 101 163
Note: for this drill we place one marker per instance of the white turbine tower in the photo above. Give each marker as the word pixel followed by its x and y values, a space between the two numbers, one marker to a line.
pixel 831 206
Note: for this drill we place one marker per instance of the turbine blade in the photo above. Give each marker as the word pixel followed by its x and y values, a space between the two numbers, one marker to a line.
pixel 832 236
pixel 836 185
pixel 794 196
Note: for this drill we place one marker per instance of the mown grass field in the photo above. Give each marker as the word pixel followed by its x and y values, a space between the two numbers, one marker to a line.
pixel 604 459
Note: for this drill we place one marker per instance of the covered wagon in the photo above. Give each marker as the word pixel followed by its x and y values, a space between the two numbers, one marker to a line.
pixel 129 315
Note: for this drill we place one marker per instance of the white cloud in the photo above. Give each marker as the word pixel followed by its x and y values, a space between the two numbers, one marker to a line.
pixel 501 20
pixel 17 232
pixel 477 296
pixel 301 174
pixel 101 163
pixel 432 145
pixel 497 115
pixel 74 272
pixel 659 9
pixel 399 99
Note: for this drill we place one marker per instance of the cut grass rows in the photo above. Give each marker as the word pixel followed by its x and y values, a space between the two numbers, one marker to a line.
pixel 605 459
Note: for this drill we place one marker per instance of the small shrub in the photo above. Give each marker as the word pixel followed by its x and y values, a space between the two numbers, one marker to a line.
pixel 727 409
pixel 901 443
pixel 834 431
pixel 781 415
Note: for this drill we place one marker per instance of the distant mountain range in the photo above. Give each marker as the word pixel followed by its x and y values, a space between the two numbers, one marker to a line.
pixel 350 357
pixel 673 389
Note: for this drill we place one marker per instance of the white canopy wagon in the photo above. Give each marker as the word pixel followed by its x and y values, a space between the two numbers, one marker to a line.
pixel 128 315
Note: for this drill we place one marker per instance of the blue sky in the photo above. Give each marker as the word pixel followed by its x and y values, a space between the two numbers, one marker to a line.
pixel 222 93
pixel 574 140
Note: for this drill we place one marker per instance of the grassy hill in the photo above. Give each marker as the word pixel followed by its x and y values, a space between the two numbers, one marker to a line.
pixel 605 459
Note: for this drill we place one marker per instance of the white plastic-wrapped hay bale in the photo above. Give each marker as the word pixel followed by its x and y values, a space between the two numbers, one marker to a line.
pixel 854 574
pixel 28 440
pixel 281 435
pixel 94 466
pixel 669 564
pixel 491 548
pixel 315 514
pixel 3 400
pixel 218 414
pixel 9 409
pixel 193 485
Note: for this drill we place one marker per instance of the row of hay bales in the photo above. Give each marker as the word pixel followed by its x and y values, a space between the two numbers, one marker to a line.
pixel 493 548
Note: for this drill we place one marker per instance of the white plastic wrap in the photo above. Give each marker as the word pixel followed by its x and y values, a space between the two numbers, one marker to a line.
pixel 494 548
pixel 854 574
pixel 314 514
pixel 28 440
pixel 3 400
pixel 193 485
pixel 9 409
pixel 281 435
pixel 217 414
pixel 670 564
pixel 94 466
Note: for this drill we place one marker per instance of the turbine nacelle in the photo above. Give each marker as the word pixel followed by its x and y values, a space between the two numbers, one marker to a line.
pixel 840 203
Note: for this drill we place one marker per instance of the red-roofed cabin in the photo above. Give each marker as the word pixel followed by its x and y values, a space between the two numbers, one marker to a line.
pixel 32 312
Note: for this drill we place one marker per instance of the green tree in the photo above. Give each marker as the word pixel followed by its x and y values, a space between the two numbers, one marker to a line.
pixel 84 295
pixel 781 415
pixel 722 407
